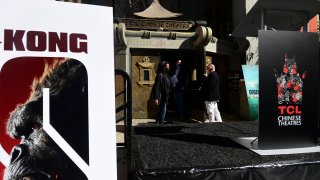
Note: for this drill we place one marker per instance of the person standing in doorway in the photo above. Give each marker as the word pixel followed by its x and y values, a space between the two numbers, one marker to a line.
pixel 160 91
pixel 210 90
pixel 179 82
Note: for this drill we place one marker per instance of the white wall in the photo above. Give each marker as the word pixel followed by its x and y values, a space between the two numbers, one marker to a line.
pixel 249 4
pixel 252 54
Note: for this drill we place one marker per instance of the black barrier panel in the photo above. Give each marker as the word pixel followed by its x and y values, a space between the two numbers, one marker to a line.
pixel 288 86
pixel 307 171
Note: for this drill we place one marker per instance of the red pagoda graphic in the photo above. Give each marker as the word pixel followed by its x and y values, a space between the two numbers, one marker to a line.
pixel 290 82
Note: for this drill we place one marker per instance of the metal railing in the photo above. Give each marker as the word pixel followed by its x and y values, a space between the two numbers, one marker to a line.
pixel 126 107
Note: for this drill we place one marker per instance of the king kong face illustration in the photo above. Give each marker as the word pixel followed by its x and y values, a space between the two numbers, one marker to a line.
pixel 38 157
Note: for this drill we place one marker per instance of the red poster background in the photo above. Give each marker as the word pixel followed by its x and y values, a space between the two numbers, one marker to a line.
pixel 16 78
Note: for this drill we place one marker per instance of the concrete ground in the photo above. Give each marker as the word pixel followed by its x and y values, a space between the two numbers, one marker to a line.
pixel 135 122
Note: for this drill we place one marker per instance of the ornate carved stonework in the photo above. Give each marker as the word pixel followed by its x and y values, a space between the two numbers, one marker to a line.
pixel 154 24
pixel 125 38
pixel 208 60
pixel 146 72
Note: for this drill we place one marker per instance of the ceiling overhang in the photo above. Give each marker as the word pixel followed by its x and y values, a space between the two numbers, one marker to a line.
pixel 277 15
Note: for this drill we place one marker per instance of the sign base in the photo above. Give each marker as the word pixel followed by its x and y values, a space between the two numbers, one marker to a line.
pixel 251 143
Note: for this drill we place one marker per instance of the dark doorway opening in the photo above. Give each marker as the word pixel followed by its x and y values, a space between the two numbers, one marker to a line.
pixel 193 67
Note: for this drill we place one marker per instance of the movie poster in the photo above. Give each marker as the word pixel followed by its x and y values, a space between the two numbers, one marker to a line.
pixel 251 77
pixel 57 105
pixel 289 88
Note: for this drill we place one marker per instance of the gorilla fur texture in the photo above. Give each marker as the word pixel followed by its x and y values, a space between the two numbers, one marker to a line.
pixel 38 156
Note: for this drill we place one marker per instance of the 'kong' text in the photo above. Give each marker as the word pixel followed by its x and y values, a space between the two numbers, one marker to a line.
pixel 40 41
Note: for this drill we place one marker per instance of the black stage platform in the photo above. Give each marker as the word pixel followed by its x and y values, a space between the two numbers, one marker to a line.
pixel 204 151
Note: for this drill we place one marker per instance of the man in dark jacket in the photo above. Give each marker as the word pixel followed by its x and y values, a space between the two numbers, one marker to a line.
pixel 160 91
pixel 210 90
pixel 179 82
